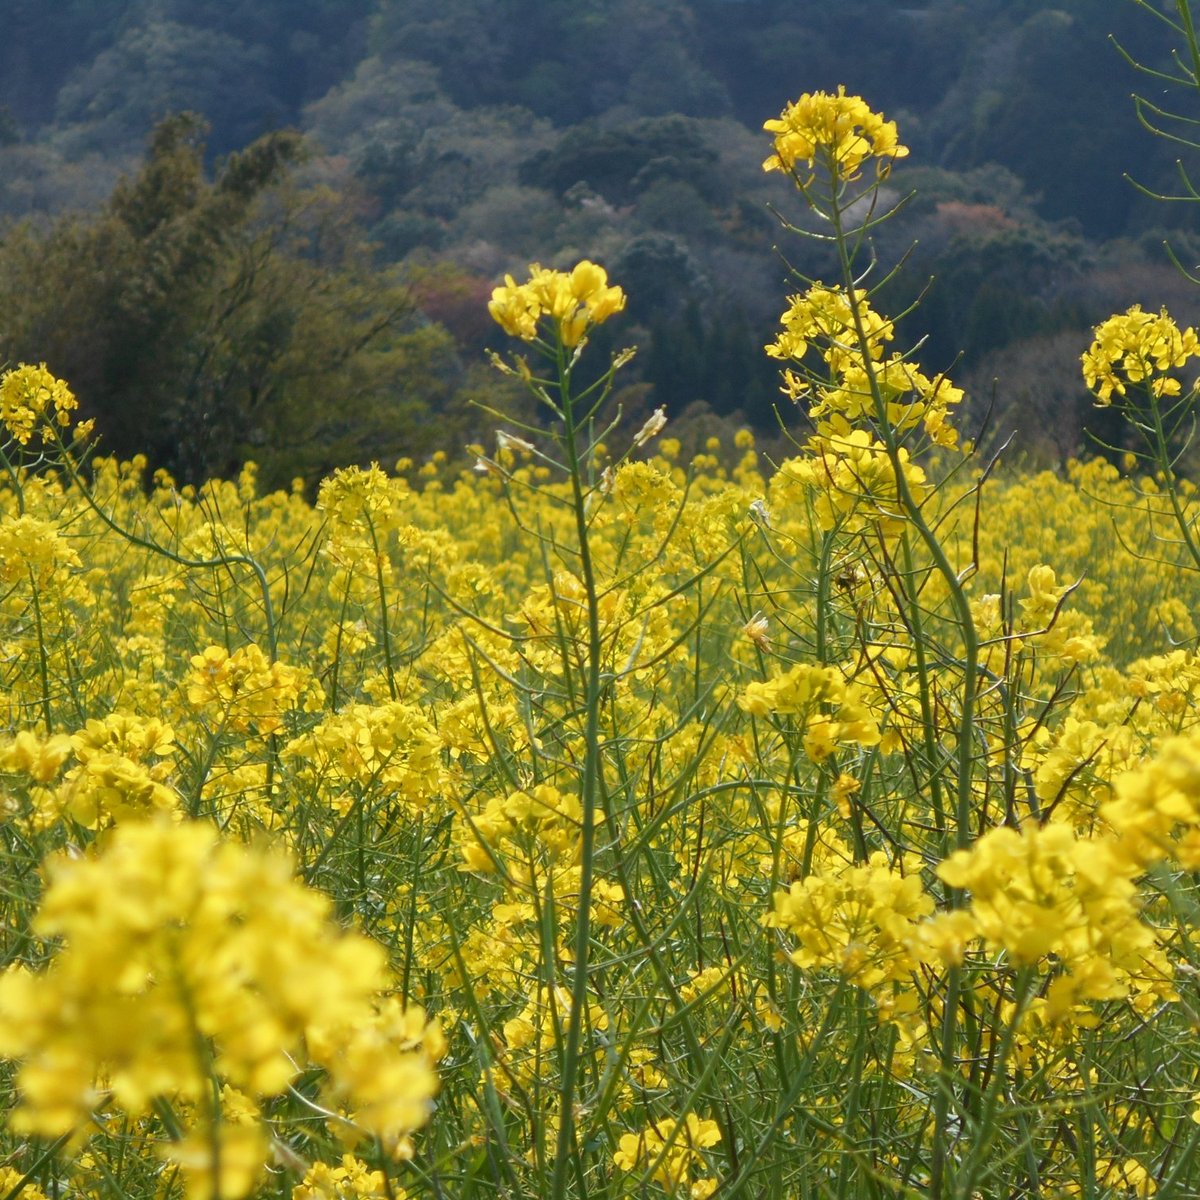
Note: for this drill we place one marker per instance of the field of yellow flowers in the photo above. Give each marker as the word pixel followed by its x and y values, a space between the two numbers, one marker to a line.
pixel 597 823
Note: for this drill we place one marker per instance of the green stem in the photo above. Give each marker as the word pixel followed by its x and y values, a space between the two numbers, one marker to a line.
pixel 1162 460
pixel 970 679
pixel 43 658
pixel 384 630
pixel 590 796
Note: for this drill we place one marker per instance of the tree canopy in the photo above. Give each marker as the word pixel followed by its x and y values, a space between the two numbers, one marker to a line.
pixel 354 145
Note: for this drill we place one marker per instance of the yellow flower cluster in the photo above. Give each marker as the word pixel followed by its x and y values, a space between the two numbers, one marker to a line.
pixel 834 323
pixel 357 501
pixel 1135 347
pixel 1043 891
pixel 390 746
pixel 851 483
pixel 122 771
pixel 850 338
pixel 549 817
pixel 1156 806
pixel 1073 766
pixel 246 690
pixel 830 708
pixel 29 395
pixel 672 1151
pixel 571 300
pixel 839 130
pixel 125 764
pixel 352 1179
pixel 862 920
pixel 33 549
pixel 38 758
pixel 182 959
pixel 14 1183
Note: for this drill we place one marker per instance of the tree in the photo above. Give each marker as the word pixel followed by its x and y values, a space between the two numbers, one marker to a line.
pixel 205 321
pixel 619 163
pixel 159 67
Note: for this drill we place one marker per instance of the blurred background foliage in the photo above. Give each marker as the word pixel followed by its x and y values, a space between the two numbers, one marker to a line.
pixel 297 269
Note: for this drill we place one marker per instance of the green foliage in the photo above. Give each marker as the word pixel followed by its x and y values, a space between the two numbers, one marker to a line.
pixel 162 67
pixel 620 163
pixel 44 43
pixel 206 321
pixel 997 282
pixel 488 133
pixel 567 62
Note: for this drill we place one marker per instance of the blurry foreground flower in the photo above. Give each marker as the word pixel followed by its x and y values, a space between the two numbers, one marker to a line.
pixel 182 958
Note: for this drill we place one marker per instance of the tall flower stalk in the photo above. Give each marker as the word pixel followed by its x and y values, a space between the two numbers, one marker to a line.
pixel 553 313
pixel 874 412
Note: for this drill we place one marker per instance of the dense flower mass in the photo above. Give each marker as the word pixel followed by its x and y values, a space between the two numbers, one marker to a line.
pixel 1046 891
pixel 859 920
pixel 838 801
pixel 182 956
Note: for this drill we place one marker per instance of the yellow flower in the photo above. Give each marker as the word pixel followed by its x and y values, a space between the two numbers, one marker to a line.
pixel 1045 891
pixel 675 1147
pixel 571 300
pixel 841 130
pixel 29 394
pixel 515 310
pixel 353 1180
pixel 39 759
pixel 182 957
pixel 1131 347
pixel 11 1177
pixel 249 690
pixel 859 920
pixel 229 1168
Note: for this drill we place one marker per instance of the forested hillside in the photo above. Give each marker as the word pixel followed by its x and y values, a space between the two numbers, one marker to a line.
pixel 308 300
pixel 538 656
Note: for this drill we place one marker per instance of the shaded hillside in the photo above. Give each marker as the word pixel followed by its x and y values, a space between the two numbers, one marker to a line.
pixel 464 138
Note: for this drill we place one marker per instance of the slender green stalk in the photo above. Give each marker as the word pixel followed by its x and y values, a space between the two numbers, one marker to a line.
pixel 590 790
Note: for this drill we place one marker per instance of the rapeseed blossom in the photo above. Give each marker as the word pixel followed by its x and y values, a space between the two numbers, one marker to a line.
pixel 247 690
pixel 674 1150
pixel 861 921
pixel 1044 891
pixel 839 130
pixel 351 1180
pixel 835 789
pixel 184 958
pixel 29 395
pixel 572 301
pixel 1137 347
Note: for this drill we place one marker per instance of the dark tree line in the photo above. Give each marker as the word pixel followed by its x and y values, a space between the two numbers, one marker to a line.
pixel 206 320
pixel 302 296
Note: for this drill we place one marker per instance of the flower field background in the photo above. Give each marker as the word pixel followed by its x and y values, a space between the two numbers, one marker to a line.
pixel 596 822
